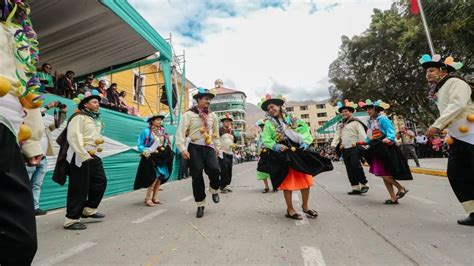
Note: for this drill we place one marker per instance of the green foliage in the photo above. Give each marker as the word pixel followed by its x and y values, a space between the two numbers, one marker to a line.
pixel 382 63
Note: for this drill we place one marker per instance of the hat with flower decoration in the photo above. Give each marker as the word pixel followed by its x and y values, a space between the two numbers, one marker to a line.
pixel 227 116
pixel 427 61
pixel 379 105
pixel 268 99
pixel 351 106
pixel 203 92
pixel 161 115
pixel 82 99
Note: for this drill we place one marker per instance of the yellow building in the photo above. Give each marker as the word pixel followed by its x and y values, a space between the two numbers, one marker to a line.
pixel 144 87
pixel 315 113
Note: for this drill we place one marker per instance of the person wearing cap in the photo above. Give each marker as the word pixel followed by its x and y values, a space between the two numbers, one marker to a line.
pixel 262 152
pixel 349 131
pixel 201 126
pixel 384 157
pixel 79 146
pixel 156 159
pixel 228 140
pixel 291 164
pixel 454 98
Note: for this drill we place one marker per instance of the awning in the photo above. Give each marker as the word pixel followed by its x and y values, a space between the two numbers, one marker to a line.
pixel 88 35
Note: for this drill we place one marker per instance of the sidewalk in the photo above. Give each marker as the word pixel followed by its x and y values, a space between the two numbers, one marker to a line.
pixel 431 166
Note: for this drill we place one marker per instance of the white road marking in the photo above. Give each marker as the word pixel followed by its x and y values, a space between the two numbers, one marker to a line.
pixel 312 256
pixel 66 254
pixel 188 198
pixel 149 216
pixel 422 200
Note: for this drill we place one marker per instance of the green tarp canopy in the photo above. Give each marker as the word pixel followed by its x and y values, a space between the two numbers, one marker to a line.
pixel 97 36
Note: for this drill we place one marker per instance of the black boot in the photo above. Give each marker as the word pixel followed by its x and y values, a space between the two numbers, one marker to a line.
pixel 200 212
pixel 468 220
pixel 215 198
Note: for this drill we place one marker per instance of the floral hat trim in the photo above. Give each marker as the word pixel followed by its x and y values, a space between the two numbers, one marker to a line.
pixel 427 61
pixel 379 104
pixel 346 105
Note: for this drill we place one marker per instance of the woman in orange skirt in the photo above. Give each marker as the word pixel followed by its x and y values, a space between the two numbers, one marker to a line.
pixel 291 163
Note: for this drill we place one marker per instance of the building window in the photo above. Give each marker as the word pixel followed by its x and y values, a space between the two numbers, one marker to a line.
pixel 290 109
pixel 321 122
pixel 309 124
pixel 305 116
pixel 320 106
pixel 138 90
pixel 303 108
pixel 322 114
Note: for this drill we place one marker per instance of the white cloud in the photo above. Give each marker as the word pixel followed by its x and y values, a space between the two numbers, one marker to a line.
pixel 280 47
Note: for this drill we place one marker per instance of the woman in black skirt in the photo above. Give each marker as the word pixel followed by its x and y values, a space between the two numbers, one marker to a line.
pixel 157 159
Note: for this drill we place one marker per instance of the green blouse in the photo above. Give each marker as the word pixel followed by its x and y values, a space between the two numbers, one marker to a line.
pixel 270 135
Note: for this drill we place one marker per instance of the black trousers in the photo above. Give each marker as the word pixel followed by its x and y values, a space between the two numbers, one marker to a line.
pixel 225 165
pixel 461 170
pixel 87 185
pixel 203 158
pixel 18 242
pixel 354 169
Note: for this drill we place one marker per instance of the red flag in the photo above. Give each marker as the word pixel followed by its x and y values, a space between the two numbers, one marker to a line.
pixel 414 8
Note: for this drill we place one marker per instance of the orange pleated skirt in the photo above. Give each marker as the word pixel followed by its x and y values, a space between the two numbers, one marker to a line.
pixel 296 181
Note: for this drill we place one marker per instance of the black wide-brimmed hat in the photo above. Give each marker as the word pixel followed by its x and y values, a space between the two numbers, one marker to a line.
pixel 161 115
pixel 268 99
pixel 87 97
pixel 379 105
pixel 351 106
pixel 202 92
pixel 427 62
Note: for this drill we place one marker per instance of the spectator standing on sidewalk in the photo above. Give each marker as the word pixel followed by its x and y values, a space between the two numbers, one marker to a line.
pixel 36 173
pixel 408 144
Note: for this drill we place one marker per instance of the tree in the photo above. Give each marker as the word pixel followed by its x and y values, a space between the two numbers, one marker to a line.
pixel 382 63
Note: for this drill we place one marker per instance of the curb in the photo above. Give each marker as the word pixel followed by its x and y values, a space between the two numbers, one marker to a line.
pixel 424 171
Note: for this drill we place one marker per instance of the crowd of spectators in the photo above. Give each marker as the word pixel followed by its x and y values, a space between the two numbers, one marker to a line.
pixel 64 85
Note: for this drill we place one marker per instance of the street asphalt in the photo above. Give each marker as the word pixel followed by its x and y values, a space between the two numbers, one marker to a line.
pixel 248 227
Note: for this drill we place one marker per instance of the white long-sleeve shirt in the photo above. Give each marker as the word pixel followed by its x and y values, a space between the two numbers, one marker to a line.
pixel 349 135
pixel 455 104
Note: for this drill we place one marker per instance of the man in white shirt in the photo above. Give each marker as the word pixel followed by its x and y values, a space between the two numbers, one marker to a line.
pixel 201 126
pixel 228 140
pixel 349 131
pixel 456 107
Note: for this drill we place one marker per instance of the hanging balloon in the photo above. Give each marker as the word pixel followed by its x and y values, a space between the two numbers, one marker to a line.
pixel 95 92
pixel 80 96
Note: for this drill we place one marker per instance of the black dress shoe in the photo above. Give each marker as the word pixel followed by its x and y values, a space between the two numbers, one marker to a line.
pixel 215 198
pixel 200 212
pixel 354 192
pixel 364 189
pixel 468 220
pixel 76 226
pixel 39 212
pixel 96 215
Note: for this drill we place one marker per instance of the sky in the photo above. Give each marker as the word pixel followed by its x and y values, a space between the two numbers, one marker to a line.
pixel 260 46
